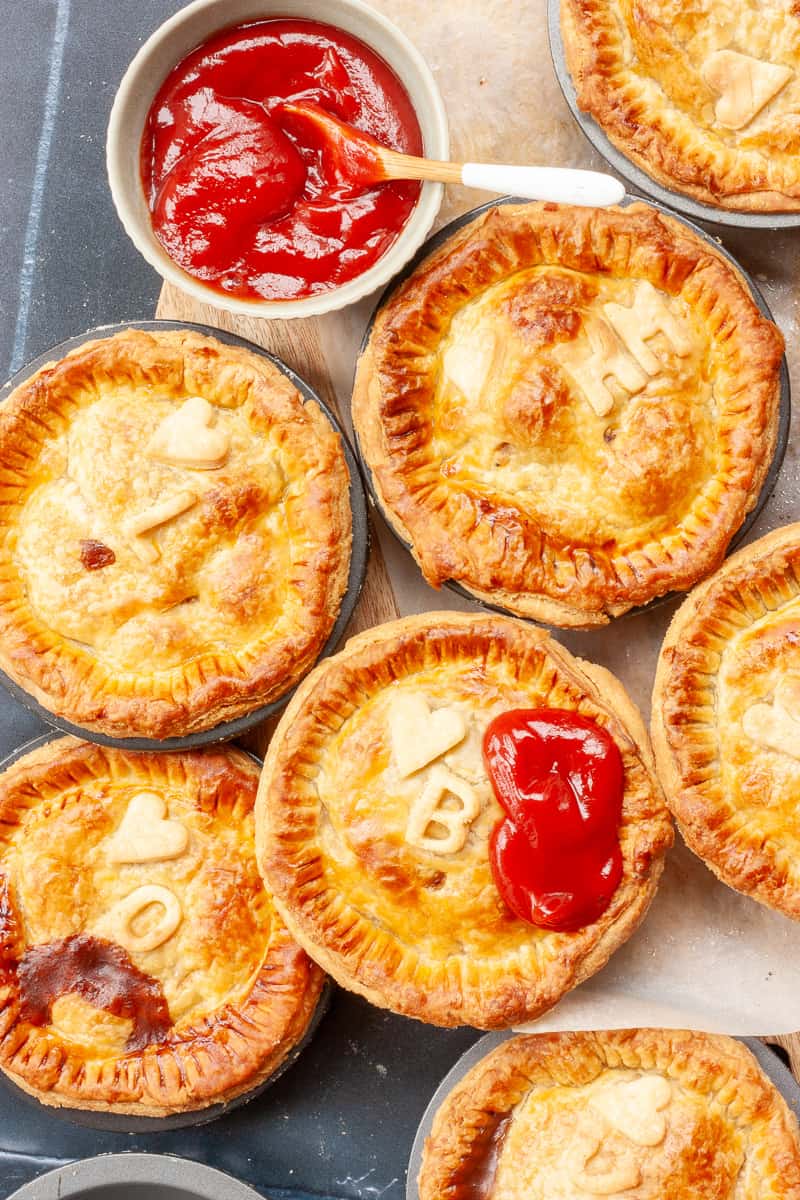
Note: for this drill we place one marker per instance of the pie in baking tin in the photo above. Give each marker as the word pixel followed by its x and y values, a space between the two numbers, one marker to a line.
pixel 569 411
pixel 726 720
pixel 143 966
pixel 646 1114
pixel 704 97
pixel 176 533
pixel 371 754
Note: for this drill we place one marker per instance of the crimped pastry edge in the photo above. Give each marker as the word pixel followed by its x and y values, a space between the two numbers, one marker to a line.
pixel 732 867
pixel 219 698
pixel 367 400
pixel 496 1083
pixel 482 1011
pixel 609 114
pixel 286 1038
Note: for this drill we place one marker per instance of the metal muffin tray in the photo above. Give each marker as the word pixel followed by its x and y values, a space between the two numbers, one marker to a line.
pixel 121 1123
pixel 633 174
pixel 358 559
pixel 769 1062
pixel 124 1176
pixel 784 412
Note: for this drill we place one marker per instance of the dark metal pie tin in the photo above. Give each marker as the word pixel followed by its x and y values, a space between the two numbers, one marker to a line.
pixel 135 1177
pixel 784 410
pixel 110 1122
pixel 633 174
pixel 358 559
pixel 768 1060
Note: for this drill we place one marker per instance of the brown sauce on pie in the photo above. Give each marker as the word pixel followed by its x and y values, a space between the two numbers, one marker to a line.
pixel 101 973
pixel 98 971
pixel 95 555
pixel 474 1177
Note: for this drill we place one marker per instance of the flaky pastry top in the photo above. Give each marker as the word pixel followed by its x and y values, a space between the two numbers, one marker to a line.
pixel 726 720
pixel 644 1114
pixel 569 411
pixel 705 97
pixel 176 533
pixel 375 811
pixel 147 860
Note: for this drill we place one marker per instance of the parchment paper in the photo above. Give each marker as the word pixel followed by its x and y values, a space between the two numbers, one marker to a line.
pixel 704 957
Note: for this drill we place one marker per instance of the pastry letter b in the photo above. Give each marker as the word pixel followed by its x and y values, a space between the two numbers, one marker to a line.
pixel 428 810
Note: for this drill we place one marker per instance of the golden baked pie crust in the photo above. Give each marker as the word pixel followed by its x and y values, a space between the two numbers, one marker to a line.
pixel 425 933
pixel 246 583
pixel 488 457
pixel 727 1132
pixel 645 70
pixel 243 991
pixel 728 649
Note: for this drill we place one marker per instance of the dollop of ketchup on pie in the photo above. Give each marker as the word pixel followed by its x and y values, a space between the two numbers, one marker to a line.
pixel 245 196
pixel 555 856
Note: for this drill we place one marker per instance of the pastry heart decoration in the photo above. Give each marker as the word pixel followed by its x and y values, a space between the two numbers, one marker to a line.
pixel 187 438
pixel 555 856
pixel 777 725
pixel 145 835
pixel 635 1108
pixel 420 736
pixel 744 85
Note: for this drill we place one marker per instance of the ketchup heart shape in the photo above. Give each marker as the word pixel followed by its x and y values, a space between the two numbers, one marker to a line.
pixel 555 856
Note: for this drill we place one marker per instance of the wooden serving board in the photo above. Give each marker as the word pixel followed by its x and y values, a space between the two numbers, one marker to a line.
pixel 491 61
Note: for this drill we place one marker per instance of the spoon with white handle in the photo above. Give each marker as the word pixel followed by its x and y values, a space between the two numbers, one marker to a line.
pixel 357 160
pixel 564 185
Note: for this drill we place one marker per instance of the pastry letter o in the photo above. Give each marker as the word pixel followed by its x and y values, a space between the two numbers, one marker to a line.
pixel 119 920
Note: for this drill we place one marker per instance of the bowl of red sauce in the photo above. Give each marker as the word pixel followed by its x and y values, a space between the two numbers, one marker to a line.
pixel 232 198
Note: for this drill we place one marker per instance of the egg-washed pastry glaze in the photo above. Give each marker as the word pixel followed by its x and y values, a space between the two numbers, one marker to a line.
pixel 176 533
pixel 569 411
pixel 375 812
pixel 645 1114
pixel 726 720
pixel 142 866
pixel 703 97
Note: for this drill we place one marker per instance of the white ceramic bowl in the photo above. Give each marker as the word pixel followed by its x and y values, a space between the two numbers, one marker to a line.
pixel 188 29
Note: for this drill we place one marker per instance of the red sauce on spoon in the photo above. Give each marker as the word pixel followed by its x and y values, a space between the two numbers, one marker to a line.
pixel 247 197
pixel 555 856
pixel 352 159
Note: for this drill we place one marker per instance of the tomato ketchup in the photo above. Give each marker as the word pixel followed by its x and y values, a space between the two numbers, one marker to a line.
pixel 243 196
pixel 555 856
